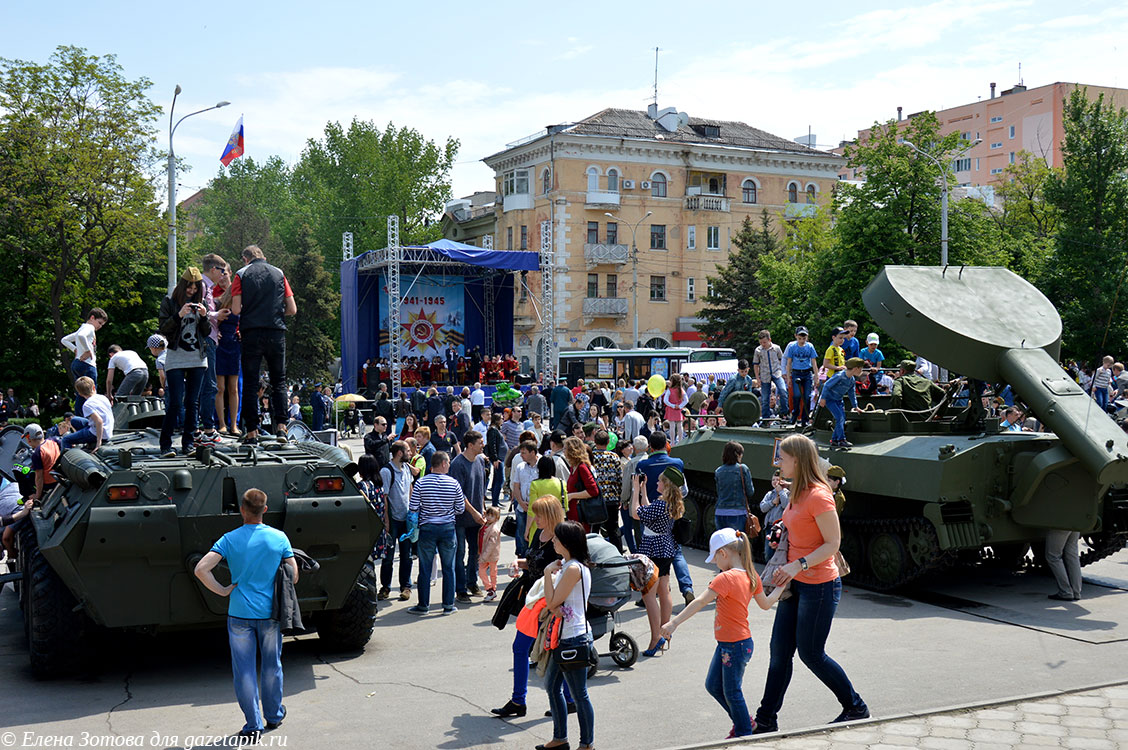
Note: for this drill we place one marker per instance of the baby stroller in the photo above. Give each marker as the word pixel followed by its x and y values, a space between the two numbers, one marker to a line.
pixel 610 590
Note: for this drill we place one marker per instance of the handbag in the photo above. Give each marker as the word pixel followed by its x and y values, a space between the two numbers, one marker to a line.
pixel 682 531
pixel 592 510
pixel 509 526
pixel 841 564
pixel 569 658
pixel 752 526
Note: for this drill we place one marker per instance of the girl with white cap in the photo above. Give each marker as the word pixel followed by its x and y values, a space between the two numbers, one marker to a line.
pixel 733 589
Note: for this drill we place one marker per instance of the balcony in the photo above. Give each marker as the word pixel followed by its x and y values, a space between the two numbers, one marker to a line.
pixel 517 202
pixel 605 307
pixel 602 199
pixel 524 322
pixel 707 203
pixel 604 254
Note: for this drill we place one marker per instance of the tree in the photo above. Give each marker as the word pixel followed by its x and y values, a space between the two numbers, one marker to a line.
pixel 309 347
pixel 1027 220
pixel 79 221
pixel 1086 272
pixel 734 312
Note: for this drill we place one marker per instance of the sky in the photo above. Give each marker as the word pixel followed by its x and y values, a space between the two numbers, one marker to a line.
pixel 492 73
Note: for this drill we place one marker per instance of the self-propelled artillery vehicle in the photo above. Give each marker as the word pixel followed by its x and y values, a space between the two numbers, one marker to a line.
pixel 927 488
pixel 114 544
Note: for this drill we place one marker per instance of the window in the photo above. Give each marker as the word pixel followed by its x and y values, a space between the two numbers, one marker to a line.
pixel 977 164
pixel 997 144
pixel 962 165
pixel 593 233
pixel 524 237
pixel 966 135
pixel 1011 132
pixel 713 238
pixel 612 180
pixel 657 343
pixel 593 285
pixel 612 233
pixel 523 284
pixel 691 289
pixel 1012 157
pixel 996 118
pixel 792 193
pixel 592 179
pixel 657 236
pixel 748 191
pixel 811 193
pixel 516 182
pixel 546 181
pixel 612 285
pixel 691 238
pixel 997 170
pixel 658 288
pixel 509 238
pixel 709 288
pixel 715 186
pixel 658 185
pixel 601 342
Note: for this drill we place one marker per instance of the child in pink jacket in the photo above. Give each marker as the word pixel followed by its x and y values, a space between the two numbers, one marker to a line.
pixel 489 547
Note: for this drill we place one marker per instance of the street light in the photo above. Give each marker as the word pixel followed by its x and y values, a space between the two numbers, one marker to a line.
pixel 943 192
pixel 172 184
pixel 634 263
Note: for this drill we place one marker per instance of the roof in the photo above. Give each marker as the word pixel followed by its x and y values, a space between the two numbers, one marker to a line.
pixel 629 123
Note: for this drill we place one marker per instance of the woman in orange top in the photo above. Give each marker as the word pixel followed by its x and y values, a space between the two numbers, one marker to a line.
pixel 733 590
pixel 803 620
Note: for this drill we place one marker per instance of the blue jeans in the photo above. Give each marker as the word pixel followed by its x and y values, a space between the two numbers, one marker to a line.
pixel 496 483
pixel 183 389
pixel 395 530
pixel 83 434
pixel 248 639
pixel 681 572
pixel 766 396
pixel 554 679
pixel 522 527
pixel 466 537
pixel 1099 394
pixel 726 673
pixel 730 522
pixel 628 529
pixel 800 395
pixel 436 538
pixel 208 391
pixel 802 623
pixel 81 368
pixel 838 411
pixel 522 647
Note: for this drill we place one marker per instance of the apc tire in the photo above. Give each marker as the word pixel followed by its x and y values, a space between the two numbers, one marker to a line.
pixel 350 627
pixel 56 632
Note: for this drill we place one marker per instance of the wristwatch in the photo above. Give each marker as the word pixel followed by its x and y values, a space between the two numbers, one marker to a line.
pixel 803 563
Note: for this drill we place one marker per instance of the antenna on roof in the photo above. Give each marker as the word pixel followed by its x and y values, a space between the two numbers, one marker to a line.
pixel 655 77
pixel 1020 74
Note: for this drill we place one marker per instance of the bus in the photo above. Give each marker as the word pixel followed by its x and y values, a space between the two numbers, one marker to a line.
pixel 634 364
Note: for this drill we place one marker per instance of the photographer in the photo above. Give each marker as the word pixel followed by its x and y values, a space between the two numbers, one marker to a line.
pixel 184 322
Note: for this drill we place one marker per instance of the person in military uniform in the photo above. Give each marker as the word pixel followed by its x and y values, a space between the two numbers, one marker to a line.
pixel 837 477
pixel 913 392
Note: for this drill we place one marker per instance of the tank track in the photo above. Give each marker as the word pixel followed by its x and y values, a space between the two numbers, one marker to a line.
pixel 1102 546
pixel 915 551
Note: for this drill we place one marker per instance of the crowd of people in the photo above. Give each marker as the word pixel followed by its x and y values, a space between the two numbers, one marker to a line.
pixel 451 368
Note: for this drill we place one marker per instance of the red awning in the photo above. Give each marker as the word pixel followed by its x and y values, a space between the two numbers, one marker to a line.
pixel 687 336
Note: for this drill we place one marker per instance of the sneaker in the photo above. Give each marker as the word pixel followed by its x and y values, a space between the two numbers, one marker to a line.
pixel 490 595
pixel 170 453
pixel 405 594
pixel 450 610
pixel 852 714
pixel 473 590
pixel 197 437
pixel 760 728
pixel 463 597
pixel 213 438
pixel 383 593
pixel 248 737
pixel 418 609
pixel 689 597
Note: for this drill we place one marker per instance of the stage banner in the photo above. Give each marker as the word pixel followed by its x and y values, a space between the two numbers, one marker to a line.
pixel 432 316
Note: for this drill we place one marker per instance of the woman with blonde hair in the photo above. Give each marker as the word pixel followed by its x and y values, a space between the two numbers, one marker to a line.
pixel 657 541
pixel 581 480
pixel 548 513
pixel 803 620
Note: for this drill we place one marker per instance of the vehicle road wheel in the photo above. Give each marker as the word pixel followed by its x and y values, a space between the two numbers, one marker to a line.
pixel 350 627
pixel 851 546
pixel 55 631
pixel 624 650
pixel 887 559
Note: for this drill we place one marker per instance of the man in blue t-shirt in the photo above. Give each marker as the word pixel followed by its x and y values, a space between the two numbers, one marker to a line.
pixel 253 553
pixel 799 363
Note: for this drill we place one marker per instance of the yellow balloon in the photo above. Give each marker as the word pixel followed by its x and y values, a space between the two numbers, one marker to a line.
pixel 656 386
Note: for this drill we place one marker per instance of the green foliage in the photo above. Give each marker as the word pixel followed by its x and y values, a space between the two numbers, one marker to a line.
pixel 79 221
pixel 733 312
pixel 1086 271
pixel 309 347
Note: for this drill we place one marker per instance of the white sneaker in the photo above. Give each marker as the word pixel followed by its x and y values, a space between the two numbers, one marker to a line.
pixel 490 596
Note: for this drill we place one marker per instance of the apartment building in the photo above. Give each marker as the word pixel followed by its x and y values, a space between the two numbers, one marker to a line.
pixel 1015 120
pixel 675 187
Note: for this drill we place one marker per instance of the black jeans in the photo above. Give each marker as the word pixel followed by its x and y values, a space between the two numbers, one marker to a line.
pixel 260 343
pixel 397 529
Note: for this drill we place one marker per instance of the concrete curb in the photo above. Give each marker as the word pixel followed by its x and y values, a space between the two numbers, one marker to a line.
pixel 959 707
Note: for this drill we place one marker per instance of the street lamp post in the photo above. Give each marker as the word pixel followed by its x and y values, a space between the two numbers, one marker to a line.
pixel 634 264
pixel 172 183
pixel 943 192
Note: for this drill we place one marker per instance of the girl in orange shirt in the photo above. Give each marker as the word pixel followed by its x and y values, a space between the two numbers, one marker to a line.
pixel 803 620
pixel 733 590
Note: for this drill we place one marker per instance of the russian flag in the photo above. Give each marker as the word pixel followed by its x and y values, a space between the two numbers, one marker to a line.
pixel 234 148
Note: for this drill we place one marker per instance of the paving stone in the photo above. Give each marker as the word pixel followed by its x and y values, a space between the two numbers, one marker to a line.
pixel 1042 718
pixel 992 746
pixel 1042 730
pixel 1119 735
pixel 950 732
pixel 1002 714
pixel 1035 740
pixel 1089 743
pixel 1096 701
pixel 907 729
pixel 1097 722
pixel 993 735
pixel 1007 726
pixel 962 721
pixel 1044 707
pixel 943 743
pixel 887 746
pixel 1085 711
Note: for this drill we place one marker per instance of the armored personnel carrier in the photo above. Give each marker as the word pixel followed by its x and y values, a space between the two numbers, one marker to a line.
pixel 115 543
pixel 924 489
